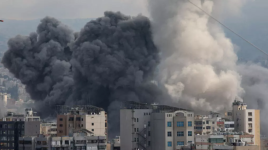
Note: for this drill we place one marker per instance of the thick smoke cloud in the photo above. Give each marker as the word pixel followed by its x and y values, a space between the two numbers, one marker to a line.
pixel 198 62
pixel 112 60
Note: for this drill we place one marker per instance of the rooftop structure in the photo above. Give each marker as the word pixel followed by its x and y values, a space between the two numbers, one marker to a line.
pixel 78 109
pixel 155 107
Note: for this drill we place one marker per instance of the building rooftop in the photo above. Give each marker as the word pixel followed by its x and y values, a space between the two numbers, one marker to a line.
pixel 236 102
pixel 155 107
pixel 62 109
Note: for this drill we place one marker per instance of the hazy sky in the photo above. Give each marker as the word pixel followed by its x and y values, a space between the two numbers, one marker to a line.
pixel 62 9
pixel 33 9
pixel 251 21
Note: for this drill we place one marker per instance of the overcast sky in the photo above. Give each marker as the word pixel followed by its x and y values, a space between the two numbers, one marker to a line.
pixel 251 21
pixel 34 9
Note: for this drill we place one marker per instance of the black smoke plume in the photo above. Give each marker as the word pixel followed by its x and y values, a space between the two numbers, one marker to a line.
pixel 111 60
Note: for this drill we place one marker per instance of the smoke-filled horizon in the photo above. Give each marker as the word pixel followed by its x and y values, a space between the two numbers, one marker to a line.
pixel 110 61
pixel 114 58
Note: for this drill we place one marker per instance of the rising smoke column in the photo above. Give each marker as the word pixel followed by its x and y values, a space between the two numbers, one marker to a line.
pixel 112 60
pixel 198 62
pixel 39 60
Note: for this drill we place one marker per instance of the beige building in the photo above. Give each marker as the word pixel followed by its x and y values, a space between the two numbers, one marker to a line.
pixel 82 117
pixel 205 125
pixel 247 120
pixel 49 129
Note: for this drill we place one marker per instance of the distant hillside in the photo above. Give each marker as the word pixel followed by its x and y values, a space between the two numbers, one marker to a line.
pixel 11 28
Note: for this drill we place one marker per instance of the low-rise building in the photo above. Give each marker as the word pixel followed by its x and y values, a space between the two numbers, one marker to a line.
pixel 80 140
pixel 225 141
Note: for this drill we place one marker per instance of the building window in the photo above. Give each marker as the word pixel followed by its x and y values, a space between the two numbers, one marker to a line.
pixel 137 119
pixel 169 134
pixel 169 124
pixel 61 119
pixel 249 119
pixel 137 129
pixel 189 133
pixel 149 143
pixel 250 125
pixel 207 122
pixel 135 140
pixel 249 130
pixel 92 130
pixel 149 124
pixel 208 127
pixel 61 125
pixel 190 142
pixel 92 124
pixel 149 133
pixel 180 143
pixel 180 133
pixel 189 123
pixel 169 144
pixel 249 113
pixel 180 124
pixel 204 122
pixel 213 122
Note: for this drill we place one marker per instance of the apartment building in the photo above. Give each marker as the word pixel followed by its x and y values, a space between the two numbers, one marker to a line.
pixel 78 141
pixel 155 127
pixel 205 124
pixel 225 141
pixel 49 129
pixel 32 123
pixel 12 126
pixel 91 118
pixel 247 120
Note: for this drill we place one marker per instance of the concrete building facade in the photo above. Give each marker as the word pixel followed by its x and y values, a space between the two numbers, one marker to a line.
pixel 247 120
pixel 82 117
pixel 49 129
pixel 155 127
pixel 14 126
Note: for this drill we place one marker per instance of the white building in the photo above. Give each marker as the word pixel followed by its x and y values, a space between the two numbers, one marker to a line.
pixel 32 123
pixel 247 120
pixel 155 127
